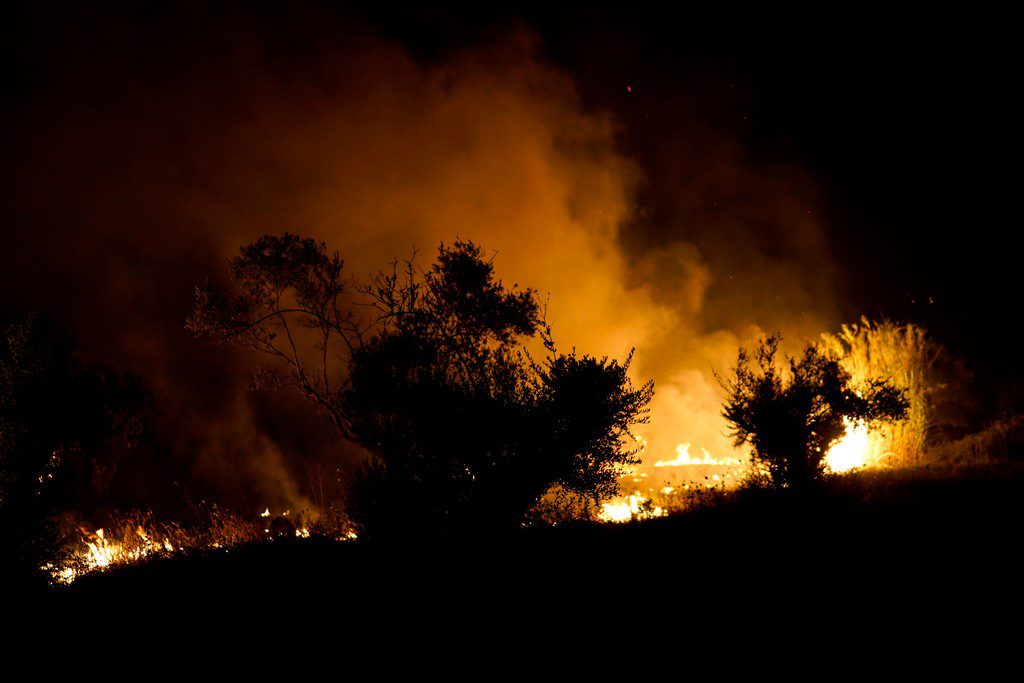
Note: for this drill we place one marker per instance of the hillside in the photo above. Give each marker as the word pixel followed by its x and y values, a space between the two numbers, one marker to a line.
pixel 914 531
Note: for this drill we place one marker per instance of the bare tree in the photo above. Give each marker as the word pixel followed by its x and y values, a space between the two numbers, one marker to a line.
pixel 289 287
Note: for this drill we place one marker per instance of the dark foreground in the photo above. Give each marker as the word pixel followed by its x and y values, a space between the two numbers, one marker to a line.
pixel 917 568
pixel 927 538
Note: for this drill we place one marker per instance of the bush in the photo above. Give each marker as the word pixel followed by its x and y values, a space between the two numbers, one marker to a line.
pixel 59 417
pixel 428 370
pixel 791 419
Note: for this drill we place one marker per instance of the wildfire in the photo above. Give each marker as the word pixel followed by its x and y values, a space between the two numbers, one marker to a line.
pixel 664 496
pixel 684 458
pixel 851 451
pixel 97 552
pixel 859 447
pixel 138 539
pixel 634 506
pixel 903 354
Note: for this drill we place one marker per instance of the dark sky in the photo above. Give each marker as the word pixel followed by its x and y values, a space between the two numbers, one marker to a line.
pixel 906 122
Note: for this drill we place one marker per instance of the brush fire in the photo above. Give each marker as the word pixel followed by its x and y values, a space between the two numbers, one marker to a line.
pixel 654 488
pixel 651 490
pixel 868 351
pixel 136 538
pixel 369 277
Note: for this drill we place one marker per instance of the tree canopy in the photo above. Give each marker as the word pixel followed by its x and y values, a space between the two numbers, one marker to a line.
pixel 428 369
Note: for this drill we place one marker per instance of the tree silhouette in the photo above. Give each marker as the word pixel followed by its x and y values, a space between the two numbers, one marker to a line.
pixel 428 370
pixel 791 421
pixel 292 305
pixel 55 412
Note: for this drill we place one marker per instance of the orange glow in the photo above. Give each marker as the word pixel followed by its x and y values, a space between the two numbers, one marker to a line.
pixel 627 508
pixel 684 458
pixel 132 542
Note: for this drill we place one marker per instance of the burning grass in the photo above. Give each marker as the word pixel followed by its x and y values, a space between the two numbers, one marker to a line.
pixel 901 354
pixel 684 483
pixel 137 537
pixel 907 357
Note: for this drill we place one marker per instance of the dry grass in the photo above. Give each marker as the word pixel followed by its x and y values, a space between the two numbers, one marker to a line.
pixel 132 537
pixel 907 357
pixel 1001 440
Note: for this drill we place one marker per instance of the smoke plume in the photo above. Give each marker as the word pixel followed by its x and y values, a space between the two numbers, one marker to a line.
pixel 141 162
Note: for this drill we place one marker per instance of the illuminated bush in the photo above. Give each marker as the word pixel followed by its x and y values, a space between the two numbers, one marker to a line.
pixel 791 413
pixel 429 370
pixel 905 356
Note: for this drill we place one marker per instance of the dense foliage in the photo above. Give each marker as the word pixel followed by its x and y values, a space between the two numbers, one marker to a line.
pixel 58 417
pixel 791 419
pixel 429 371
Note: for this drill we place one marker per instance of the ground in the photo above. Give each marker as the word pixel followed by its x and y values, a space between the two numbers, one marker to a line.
pixel 924 537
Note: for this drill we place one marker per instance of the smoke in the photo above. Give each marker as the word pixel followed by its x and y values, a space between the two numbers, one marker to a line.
pixel 139 167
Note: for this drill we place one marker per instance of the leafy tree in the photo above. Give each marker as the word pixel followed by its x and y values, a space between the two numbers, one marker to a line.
pixel 55 413
pixel 427 369
pixel 790 420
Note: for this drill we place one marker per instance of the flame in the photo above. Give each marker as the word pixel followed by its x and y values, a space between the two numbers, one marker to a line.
pixel 684 458
pixel 851 451
pixel 97 551
pixel 859 447
pixel 664 495
pixel 627 508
